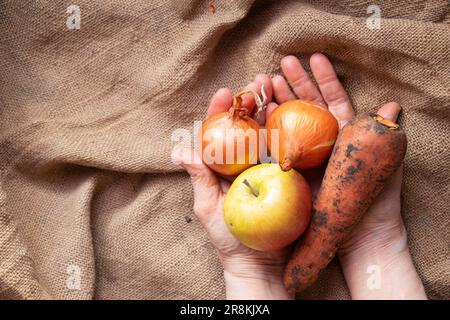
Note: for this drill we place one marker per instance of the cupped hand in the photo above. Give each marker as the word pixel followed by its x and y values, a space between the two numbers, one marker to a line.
pixel 382 225
pixel 209 193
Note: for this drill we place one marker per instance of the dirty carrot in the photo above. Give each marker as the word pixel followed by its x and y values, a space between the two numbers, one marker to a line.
pixel 368 151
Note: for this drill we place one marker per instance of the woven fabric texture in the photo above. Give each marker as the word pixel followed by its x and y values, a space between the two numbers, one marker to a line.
pixel 91 206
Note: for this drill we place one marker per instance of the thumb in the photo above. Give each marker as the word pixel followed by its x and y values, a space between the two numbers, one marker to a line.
pixel 205 183
pixel 390 111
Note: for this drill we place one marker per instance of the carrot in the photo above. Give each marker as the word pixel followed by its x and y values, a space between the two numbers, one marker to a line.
pixel 368 151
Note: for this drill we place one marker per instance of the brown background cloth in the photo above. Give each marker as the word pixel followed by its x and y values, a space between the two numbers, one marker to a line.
pixel 87 117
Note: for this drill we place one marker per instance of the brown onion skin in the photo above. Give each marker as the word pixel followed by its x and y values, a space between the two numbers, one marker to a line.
pixel 307 133
pixel 233 119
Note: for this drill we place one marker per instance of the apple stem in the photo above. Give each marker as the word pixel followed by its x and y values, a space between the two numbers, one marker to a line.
pixel 252 189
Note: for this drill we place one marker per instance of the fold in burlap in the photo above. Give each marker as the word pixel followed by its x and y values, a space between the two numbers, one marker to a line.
pixel 92 207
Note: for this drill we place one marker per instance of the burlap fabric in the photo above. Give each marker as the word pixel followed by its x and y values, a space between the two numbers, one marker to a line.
pixel 91 205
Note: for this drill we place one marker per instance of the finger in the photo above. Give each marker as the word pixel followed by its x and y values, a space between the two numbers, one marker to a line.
pixel 207 189
pixel 390 111
pixel 281 90
pixel 264 79
pixel 248 100
pixel 299 80
pixel 220 102
pixel 270 108
pixel 331 88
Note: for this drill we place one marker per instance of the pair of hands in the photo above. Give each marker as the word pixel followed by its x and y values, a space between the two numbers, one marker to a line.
pixel 254 274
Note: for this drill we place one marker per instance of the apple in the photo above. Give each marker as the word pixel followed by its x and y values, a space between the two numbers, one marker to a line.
pixel 267 208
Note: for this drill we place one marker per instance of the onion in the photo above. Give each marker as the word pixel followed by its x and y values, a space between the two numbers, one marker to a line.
pixel 307 133
pixel 230 140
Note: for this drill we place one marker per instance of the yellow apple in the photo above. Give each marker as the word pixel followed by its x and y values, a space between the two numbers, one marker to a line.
pixel 267 208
